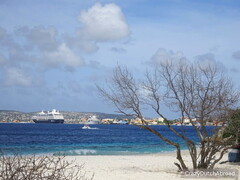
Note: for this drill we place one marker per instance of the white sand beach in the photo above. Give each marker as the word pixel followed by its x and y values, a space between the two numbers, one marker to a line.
pixel 138 167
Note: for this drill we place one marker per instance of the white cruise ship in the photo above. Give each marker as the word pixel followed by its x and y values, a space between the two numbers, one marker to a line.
pixel 53 116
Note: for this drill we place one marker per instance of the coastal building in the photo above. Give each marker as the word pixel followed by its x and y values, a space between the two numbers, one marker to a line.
pixel 160 120
pixel 138 121
pixel 115 121
pixel 107 121
pixel 186 121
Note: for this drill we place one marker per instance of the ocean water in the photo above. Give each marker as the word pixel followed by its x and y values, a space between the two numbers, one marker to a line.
pixel 70 139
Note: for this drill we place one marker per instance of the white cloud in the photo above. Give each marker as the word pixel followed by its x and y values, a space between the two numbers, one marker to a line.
pixel 99 23
pixel 163 56
pixel 104 23
pixel 26 52
pixel 207 60
pixel 45 38
pixel 81 43
pixel 17 76
pixel 49 49
pixel 62 56
pixel 206 57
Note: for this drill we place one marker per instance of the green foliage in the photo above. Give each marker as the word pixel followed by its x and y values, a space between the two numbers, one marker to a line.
pixel 233 128
pixel 166 122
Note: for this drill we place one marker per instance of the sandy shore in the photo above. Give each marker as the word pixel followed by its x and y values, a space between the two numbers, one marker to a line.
pixel 138 167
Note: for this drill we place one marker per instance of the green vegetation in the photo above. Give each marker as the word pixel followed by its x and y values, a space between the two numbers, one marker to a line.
pixel 233 128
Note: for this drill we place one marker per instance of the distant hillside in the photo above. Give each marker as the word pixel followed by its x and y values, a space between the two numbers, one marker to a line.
pixel 8 111
pixel 112 116
pixel 69 116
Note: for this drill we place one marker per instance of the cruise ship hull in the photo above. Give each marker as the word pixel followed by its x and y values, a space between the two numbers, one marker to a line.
pixel 57 121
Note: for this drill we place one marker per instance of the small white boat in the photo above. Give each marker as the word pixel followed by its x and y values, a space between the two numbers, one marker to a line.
pixel 87 127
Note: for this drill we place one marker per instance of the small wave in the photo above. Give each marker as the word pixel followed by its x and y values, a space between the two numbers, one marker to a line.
pixel 87 128
pixel 77 152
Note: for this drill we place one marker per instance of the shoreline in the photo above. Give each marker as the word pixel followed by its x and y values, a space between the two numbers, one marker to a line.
pixel 141 167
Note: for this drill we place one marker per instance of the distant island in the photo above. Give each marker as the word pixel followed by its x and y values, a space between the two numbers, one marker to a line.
pixel 71 117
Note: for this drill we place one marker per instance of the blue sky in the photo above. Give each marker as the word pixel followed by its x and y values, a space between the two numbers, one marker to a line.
pixel 52 53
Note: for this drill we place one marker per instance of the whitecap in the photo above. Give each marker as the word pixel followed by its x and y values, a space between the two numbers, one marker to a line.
pixel 77 152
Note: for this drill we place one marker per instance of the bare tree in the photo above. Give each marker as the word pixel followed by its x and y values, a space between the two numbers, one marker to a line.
pixel 18 167
pixel 195 90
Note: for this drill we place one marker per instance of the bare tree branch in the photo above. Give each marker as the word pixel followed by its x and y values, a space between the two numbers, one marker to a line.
pixel 18 167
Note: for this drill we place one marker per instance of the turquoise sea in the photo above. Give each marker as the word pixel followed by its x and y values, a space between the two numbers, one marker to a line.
pixel 70 139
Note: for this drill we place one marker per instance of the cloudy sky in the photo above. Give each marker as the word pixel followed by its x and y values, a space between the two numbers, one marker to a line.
pixel 52 53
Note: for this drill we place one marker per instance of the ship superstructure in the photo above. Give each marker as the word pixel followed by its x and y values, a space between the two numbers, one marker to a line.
pixel 93 120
